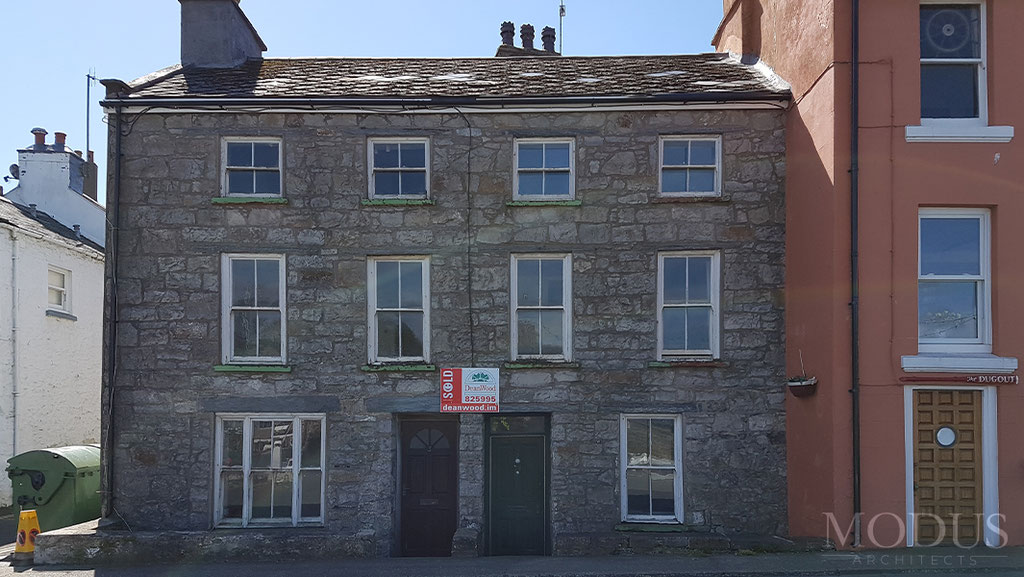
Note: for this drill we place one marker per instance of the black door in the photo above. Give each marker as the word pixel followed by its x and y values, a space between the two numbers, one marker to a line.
pixel 429 487
pixel 517 475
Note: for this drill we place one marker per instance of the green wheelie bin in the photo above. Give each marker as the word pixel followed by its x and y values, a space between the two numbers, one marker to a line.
pixel 62 484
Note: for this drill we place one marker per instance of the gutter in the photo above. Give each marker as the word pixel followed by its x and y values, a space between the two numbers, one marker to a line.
pixel 854 268
pixel 448 101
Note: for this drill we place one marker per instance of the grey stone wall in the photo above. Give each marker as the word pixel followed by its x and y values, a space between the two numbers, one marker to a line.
pixel 166 392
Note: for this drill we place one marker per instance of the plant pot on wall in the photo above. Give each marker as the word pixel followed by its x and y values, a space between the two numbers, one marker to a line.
pixel 802 386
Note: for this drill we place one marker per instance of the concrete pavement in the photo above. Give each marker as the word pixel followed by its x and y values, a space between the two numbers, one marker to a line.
pixel 901 562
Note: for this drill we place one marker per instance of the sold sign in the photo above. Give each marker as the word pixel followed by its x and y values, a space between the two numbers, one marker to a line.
pixel 469 390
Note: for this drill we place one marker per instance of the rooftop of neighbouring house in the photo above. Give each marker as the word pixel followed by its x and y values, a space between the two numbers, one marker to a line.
pixel 34 221
pixel 700 77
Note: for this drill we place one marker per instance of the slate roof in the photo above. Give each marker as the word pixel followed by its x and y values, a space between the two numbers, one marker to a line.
pixel 21 217
pixel 671 77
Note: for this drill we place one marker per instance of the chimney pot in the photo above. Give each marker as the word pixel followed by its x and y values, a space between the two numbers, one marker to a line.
pixel 40 136
pixel 508 33
pixel 91 156
pixel 547 37
pixel 59 138
pixel 526 33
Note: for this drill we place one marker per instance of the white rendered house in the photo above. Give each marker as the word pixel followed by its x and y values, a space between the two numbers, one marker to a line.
pixel 51 304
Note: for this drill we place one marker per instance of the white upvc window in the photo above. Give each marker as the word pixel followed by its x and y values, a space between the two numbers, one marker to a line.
pixel 58 289
pixel 545 169
pixel 954 281
pixel 269 470
pixel 252 167
pixel 953 61
pixel 651 468
pixel 542 306
pixel 399 167
pixel 398 308
pixel 253 320
pixel 688 304
pixel 690 166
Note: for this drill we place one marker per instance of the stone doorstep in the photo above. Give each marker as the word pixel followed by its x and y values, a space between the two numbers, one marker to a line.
pixel 87 544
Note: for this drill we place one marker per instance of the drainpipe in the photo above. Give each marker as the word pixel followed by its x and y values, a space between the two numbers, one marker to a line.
pixel 14 342
pixel 113 227
pixel 854 266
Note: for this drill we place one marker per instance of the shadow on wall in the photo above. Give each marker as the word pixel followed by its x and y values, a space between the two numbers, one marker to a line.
pixel 751 22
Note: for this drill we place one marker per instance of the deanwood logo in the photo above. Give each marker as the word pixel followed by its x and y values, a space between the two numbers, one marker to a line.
pixel 883 522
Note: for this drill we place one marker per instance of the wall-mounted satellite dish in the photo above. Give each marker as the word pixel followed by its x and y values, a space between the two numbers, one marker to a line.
pixel 15 172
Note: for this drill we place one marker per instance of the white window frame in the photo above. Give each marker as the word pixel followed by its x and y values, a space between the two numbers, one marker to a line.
pixel 228 327
pixel 65 291
pixel 678 517
pixel 397 140
pixel 982 344
pixel 567 335
pixel 717 139
pixel 225 167
pixel 716 275
pixel 544 198
pixel 248 418
pixel 372 310
pixel 982 119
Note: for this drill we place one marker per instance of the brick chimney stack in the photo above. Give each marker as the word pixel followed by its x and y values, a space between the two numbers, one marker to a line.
pixel 60 139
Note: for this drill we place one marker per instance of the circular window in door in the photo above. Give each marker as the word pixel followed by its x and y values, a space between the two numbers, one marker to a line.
pixel 945 437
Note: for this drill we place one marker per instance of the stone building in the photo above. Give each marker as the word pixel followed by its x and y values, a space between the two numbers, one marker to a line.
pixel 302 245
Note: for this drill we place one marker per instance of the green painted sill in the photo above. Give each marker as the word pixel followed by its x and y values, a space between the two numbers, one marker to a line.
pixel 544 203
pixel 252 369
pixel 687 363
pixel 397 368
pixel 398 202
pixel 511 365
pixel 246 200
pixel 641 527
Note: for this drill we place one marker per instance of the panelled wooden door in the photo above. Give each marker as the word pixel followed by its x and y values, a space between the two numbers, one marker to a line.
pixel 430 473
pixel 947 466
pixel 517 485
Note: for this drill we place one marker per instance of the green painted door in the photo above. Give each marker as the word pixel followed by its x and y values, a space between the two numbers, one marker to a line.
pixel 517 494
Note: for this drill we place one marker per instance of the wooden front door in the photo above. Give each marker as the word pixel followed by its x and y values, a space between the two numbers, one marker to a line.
pixel 947 467
pixel 517 485
pixel 429 487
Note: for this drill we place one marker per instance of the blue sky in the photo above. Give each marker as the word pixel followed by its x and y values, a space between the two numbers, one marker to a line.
pixel 49 46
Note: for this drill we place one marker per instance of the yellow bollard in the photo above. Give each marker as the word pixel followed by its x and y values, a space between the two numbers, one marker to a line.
pixel 25 546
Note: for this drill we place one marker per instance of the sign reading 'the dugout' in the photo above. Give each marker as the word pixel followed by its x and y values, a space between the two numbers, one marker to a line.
pixel 469 390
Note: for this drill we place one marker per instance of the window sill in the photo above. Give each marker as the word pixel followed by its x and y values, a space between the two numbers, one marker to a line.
pixel 397 202
pixel 564 202
pixel 525 364
pixel 684 363
pixel 398 368
pixel 246 200
pixel 959 133
pixel 61 315
pixel 656 527
pixel 958 363
pixel 252 368
pixel 688 199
